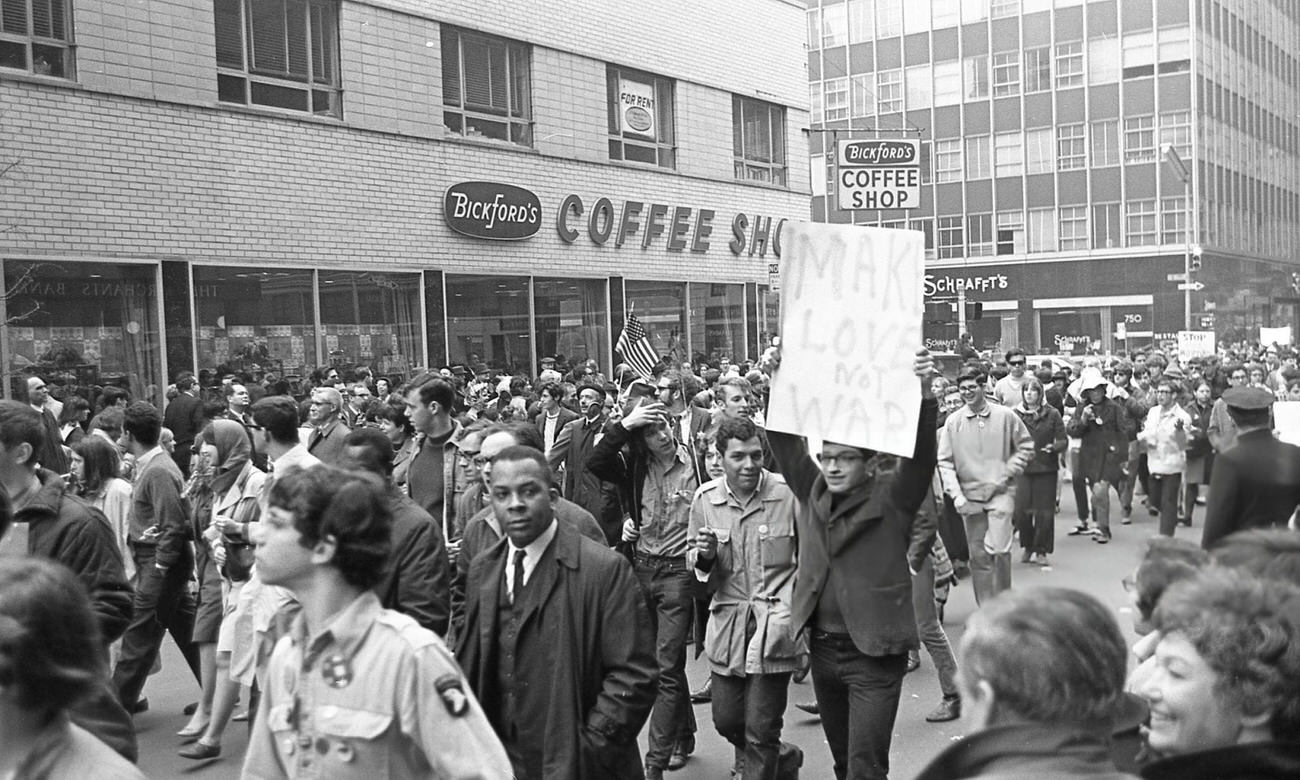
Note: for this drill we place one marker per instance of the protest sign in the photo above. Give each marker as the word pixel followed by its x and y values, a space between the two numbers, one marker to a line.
pixel 1279 336
pixel 1195 344
pixel 851 325
pixel 1286 419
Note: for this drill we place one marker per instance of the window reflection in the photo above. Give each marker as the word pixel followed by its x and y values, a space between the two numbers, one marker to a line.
pixel 661 308
pixel 570 315
pixel 487 321
pixel 83 327
pixel 371 319
pixel 718 314
pixel 254 322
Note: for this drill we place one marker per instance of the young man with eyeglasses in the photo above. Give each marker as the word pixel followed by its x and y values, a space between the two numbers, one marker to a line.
pixel 860 541
pixel 1223 430
pixel 1007 390
pixel 983 447
pixel 1164 437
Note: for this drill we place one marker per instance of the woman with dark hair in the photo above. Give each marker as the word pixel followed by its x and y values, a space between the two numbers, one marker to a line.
pixel 96 466
pixel 1225 691
pixel 50 657
pixel 394 424
pixel 72 420
pixel 1035 511
pixel 1200 453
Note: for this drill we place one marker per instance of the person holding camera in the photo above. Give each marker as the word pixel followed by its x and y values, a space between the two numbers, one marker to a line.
pixel 1103 426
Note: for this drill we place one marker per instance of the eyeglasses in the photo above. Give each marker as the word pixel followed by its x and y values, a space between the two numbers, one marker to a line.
pixel 843 458
pixel 662 388
pixel 480 460
pixel 1015 362
pixel 967 389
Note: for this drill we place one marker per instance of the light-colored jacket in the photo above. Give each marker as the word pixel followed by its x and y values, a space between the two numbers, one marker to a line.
pixel 1165 442
pixel 752 576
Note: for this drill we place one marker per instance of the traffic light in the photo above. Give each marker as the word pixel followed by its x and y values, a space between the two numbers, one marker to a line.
pixel 1194 263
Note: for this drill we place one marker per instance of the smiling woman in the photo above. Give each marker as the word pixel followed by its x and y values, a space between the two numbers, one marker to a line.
pixel 1225 693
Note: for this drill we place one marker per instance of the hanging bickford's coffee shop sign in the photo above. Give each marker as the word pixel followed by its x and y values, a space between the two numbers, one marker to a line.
pixel 488 209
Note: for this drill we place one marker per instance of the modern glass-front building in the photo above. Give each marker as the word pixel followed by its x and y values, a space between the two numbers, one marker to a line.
pixel 280 185
pixel 1048 195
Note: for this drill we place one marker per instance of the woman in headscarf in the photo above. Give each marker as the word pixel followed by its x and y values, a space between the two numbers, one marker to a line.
pixel 223 494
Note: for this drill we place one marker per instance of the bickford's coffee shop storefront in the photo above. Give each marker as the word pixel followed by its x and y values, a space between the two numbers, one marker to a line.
pixel 526 277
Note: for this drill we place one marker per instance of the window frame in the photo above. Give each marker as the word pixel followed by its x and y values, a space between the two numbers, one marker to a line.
pixel 1173 220
pixel 976 83
pixel 981 235
pixel 665 141
pixel 950 227
pixel 1009 237
pixel 946 150
pixel 1040 151
pixel 1012 167
pixel 329 92
pixel 1037 69
pixel 1071 148
pixel 1106 133
pixel 1175 127
pixel 1040 230
pixel 518 120
pixel 1006 74
pixel 889 94
pixel 979 166
pixel 1069 65
pixel 34 45
pixel 1072 234
pixel 1139 139
pixel 773 169
pixel 1140 223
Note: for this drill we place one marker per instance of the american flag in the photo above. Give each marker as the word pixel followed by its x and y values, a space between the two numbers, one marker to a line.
pixel 635 348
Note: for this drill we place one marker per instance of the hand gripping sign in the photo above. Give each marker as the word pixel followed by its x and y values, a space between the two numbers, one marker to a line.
pixel 851 300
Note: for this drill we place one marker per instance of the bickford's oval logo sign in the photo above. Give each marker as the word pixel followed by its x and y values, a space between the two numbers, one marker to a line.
pixel 488 209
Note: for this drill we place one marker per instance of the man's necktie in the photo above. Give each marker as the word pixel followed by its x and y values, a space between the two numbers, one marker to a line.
pixel 519 576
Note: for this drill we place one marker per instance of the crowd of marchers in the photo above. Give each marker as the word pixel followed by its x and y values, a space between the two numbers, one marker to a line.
pixel 469 574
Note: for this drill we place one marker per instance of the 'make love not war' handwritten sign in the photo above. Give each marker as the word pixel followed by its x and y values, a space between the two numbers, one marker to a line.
pixel 852 306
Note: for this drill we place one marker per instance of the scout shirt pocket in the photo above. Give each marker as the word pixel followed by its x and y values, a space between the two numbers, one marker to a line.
pixel 779 640
pixel 352 741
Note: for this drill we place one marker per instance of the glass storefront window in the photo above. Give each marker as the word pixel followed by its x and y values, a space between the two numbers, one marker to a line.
pixel 1070 331
pixel 372 319
pixel 718 313
pixel 571 317
pixel 661 308
pixel 83 327
pixel 769 317
pixel 487 322
pixel 251 321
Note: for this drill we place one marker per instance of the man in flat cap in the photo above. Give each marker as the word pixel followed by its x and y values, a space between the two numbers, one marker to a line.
pixel 1256 484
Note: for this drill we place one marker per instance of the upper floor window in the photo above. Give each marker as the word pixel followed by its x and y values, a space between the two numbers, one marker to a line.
pixel 758 133
pixel 1069 64
pixel 36 37
pixel 279 53
pixel 1006 73
pixel 641 118
pixel 486 87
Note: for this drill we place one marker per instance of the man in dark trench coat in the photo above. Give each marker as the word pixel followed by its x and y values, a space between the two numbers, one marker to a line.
pixel 558 643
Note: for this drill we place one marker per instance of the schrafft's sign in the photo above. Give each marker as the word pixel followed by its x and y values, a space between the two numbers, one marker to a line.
pixel 879 174
pixel 486 209
pixel 851 321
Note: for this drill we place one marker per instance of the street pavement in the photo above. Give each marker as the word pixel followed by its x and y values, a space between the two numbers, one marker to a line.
pixel 1078 563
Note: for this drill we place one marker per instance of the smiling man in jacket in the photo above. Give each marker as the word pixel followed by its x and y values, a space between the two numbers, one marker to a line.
pixel 859 545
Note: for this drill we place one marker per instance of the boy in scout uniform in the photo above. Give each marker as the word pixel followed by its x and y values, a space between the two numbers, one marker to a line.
pixel 355 690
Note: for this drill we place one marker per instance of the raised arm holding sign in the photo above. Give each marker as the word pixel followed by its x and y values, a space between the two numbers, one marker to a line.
pixel 851 318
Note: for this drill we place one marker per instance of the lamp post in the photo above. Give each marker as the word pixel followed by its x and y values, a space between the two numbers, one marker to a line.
pixel 1170 155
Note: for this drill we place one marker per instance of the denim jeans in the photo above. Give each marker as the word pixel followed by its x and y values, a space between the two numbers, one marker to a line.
pixel 747 712
pixel 931 630
pixel 990 573
pixel 667 585
pixel 163 604
pixel 857 697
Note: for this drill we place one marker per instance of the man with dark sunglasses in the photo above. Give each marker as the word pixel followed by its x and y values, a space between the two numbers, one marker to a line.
pixel 1008 388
